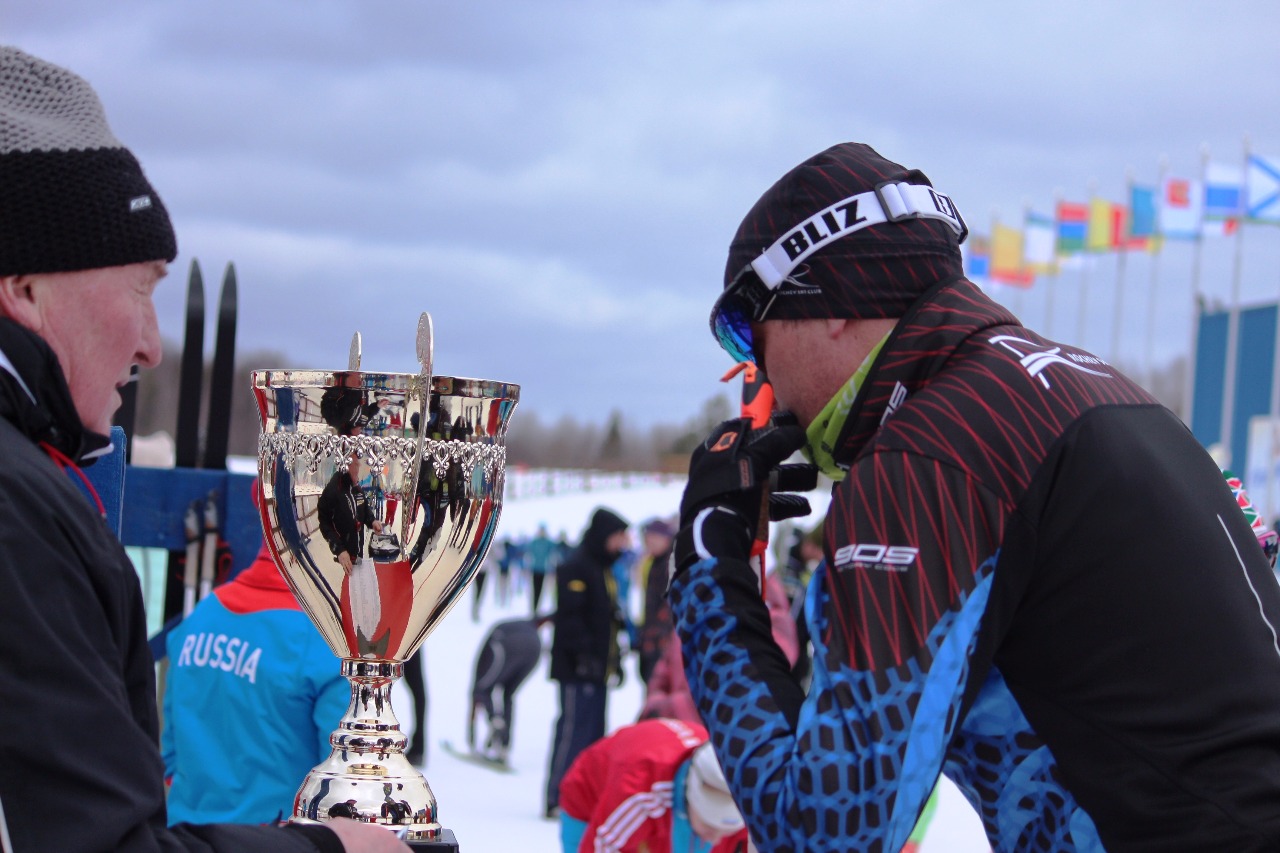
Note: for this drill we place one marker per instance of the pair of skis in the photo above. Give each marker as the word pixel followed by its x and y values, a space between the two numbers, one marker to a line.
pixel 201 522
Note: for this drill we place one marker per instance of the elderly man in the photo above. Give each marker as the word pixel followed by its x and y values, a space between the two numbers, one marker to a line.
pixel 84 240
pixel 1036 581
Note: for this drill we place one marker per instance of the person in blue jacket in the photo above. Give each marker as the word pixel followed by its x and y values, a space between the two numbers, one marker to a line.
pixel 253 694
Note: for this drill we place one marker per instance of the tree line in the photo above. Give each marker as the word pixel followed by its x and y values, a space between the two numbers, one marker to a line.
pixel 532 440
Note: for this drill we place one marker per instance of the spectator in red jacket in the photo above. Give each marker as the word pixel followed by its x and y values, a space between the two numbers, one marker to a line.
pixel 653 786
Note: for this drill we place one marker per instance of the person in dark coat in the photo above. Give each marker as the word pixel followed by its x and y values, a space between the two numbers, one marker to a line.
pixel 584 647
pixel 84 243
pixel 343 512
pixel 656 628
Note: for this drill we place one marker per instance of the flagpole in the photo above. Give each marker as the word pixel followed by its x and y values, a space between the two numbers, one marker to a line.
pixel 1153 288
pixel 1267 505
pixel 1196 251
pixel 1122 250
pixel 1052 284
pixel 1273 411
pixel 1233 345
pixel 1084 275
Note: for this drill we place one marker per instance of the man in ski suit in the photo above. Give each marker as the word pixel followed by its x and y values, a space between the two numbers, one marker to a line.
pixel 84 240
pixel 650 787
pixel 1035 579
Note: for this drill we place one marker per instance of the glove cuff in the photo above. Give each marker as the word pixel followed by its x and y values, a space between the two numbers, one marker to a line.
pixel 714 531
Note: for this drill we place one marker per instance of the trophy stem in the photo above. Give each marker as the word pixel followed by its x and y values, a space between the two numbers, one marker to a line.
pixel 367 776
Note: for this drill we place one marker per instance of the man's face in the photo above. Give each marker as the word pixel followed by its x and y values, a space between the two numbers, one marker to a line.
pixel 785 351
pixel 99 323
pixel 618 542
pixel 655 542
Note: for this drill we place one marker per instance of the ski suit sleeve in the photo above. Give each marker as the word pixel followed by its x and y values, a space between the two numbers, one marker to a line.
pixel 332 698
pixel 894 618
pixel 326 508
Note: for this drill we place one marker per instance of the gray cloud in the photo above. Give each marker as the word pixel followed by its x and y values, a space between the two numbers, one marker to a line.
pixel 556 181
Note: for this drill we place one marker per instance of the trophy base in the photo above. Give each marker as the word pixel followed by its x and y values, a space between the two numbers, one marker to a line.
pixel 446 843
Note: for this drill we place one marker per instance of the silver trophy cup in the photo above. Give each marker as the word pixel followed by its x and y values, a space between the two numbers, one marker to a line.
pixel 380 494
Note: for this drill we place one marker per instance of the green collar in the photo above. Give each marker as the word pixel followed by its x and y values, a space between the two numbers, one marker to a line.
pixel 826 427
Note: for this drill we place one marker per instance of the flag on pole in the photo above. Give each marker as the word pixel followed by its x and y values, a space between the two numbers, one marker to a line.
pixel 1142 218
pixel 1223 199
pixel 1223 191
pixel 1073 224
pixel 1262 190
pixel 1181 203
pixel 1007 265
pixel 1039 244
pixel 1106 225
pixel 977 259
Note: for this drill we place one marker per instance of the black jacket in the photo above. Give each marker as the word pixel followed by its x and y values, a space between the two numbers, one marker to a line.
pixel 587 621
pixel 1037 582
pixel 79 766
pixel 342 512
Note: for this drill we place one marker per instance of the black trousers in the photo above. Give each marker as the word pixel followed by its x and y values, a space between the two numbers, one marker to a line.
pixel 581 723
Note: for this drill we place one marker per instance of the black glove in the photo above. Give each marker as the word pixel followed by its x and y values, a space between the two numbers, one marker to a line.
pixel 721 508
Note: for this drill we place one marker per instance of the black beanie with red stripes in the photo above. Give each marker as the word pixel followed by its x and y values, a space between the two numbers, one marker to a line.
pixel 875 272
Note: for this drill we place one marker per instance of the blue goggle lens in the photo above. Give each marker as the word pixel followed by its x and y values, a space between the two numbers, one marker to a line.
pixel 745 301
pixel 732 329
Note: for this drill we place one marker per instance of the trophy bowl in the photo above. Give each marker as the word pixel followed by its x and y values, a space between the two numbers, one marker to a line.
pixel 378 502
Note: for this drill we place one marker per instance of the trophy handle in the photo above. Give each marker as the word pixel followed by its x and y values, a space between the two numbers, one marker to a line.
pixel 353 355
pixel 426 354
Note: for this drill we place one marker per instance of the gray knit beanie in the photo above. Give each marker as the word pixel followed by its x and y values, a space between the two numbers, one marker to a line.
pixel 72 197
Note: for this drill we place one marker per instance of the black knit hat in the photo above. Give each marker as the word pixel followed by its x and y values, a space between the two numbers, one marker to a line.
pixel 836 260
pixel 72 197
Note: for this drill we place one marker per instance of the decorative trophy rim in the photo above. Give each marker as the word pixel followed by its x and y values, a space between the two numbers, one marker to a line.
pixel 440 384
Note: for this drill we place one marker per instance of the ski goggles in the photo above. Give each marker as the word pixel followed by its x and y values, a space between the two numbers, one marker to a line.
pixel 753 291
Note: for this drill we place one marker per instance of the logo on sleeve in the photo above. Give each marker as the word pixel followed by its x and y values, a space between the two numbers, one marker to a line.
pixel 876 557
pixel 1037 357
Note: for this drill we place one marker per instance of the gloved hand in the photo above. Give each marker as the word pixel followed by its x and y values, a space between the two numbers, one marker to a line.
pixel 721 507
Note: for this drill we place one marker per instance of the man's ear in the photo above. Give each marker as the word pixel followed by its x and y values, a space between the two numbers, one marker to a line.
pixel 18 301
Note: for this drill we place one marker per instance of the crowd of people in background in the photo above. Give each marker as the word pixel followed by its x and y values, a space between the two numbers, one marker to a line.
pixel 603 597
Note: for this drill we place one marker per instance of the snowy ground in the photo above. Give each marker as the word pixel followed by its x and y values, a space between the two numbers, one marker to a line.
pixel 489 811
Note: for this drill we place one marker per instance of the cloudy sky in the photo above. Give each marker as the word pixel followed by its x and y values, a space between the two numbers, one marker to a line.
pixel 557 181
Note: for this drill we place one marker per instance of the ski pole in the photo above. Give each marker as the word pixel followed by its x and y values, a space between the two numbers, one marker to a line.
pixel 209 557
pixel 757 406
pixel 191 524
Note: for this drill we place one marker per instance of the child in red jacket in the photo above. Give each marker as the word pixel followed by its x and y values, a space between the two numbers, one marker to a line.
pixel 650 787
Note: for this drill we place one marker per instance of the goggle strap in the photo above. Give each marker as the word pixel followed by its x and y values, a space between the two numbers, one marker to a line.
pixel 888 202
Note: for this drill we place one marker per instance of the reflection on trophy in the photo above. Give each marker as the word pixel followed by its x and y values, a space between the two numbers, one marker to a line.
pixel 380 494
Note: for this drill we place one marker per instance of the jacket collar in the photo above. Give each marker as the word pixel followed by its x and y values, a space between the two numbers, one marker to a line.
pixel 34 395
pixel 936 325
